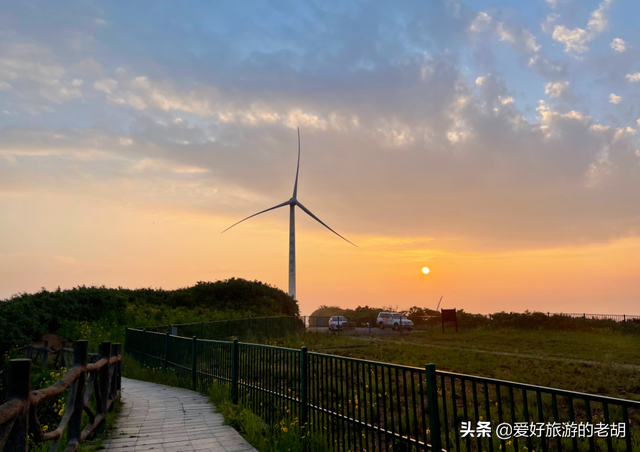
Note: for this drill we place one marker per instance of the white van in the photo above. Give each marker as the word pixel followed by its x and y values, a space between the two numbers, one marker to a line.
pixel 394 320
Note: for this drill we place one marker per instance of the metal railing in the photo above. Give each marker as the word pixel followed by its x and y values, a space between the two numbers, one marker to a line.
pixel 240 328
pixel 373 406
pixel 18 416
pixel 582 315
pixel 614 317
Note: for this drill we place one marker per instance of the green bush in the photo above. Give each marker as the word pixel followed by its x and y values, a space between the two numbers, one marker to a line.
pixel 27 317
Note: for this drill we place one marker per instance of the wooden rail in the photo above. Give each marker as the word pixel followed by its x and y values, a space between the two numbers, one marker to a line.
pixel 63 356
pixel 18 416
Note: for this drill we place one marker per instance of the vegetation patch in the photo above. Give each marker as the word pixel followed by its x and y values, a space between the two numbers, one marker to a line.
pixel 100 313
pixel 602 362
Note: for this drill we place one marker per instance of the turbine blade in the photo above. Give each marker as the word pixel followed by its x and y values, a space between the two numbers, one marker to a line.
pixel 295 187
pixel 274 207
pixel 320 221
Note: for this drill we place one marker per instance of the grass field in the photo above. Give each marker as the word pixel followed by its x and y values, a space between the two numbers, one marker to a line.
pixel 599 362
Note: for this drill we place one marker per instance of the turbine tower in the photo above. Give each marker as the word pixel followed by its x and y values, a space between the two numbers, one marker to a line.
pixel 292 203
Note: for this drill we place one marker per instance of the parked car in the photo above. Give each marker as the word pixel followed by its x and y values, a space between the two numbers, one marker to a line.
pixel 394 320
pixel 336 322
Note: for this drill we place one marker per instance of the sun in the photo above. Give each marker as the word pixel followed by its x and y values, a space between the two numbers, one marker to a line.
pixel 425 270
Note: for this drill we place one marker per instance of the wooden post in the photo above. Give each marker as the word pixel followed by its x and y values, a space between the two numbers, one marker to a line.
pixel 76 393
pixel 103 386
pixel 112 376
pixel 119 371
pixel 45 353
pixel 18 387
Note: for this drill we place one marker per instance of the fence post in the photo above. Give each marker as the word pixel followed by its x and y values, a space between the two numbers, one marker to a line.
pixel 434 413
pixel 235 358
pixel 113 376
pixel 45 352
pixel 126 339
pixel 166 349
pixel 18 386
pixel 80 358
pixel 119 370
pixel 202 330
pixel 194 375
pixel 144 348
pixel 304 379
pixel 104 351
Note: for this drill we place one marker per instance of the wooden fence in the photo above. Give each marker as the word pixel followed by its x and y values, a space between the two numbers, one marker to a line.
pixel 102 379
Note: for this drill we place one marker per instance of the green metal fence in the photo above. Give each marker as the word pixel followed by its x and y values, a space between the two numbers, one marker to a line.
pixel 371 406
pixel 240 328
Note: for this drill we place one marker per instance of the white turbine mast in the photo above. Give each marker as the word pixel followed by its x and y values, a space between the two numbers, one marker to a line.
pixel 292 203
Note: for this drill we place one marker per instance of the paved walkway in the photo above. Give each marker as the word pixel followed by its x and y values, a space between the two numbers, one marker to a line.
pixel 165 419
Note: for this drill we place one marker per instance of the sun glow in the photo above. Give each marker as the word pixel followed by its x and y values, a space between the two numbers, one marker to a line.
pixel 425 270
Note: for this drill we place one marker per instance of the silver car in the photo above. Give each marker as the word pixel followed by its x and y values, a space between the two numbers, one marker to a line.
pixel 336 322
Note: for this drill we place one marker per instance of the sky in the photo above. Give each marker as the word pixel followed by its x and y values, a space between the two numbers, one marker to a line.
pixel 495 142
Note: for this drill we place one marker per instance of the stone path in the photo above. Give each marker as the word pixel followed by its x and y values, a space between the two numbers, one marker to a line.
pixel 165 419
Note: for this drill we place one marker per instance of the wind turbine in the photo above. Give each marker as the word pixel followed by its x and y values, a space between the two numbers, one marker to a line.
pixel 292 203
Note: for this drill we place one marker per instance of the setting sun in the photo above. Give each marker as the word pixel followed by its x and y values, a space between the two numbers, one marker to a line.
pixel 425 270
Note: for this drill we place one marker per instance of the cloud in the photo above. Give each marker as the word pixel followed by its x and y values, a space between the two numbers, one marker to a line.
pixel 556 89
pixel 106 85
pixel 34 76
pixel 614 99
pixel 618 45
pixel 633 77
pixel 137 102
pixel 392 112
pixel 521 41
pixel 575 40
pixel 599 19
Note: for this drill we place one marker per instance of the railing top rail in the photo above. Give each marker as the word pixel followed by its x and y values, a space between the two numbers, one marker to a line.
pixel 212 340
pixel 586 313
pixel 221 321
pixel 529 387
pixel 297 350
pixel 368 361
pixel 150 332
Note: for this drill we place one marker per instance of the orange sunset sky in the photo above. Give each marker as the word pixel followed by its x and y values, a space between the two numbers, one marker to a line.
pixel 479 140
